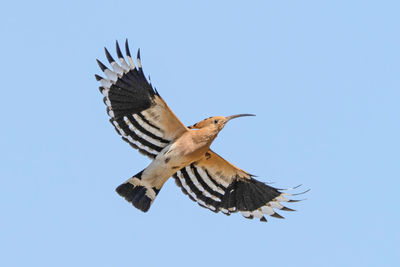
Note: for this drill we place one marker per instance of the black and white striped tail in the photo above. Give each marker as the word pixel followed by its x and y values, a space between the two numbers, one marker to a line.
pixel 138 193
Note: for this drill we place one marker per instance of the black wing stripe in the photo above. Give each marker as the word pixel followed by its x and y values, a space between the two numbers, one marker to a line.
pixel 134 143
pixel 142 151
pixel 148 126
pixel 204 184
pixel 209 181
pixel 196 182
pixel 179 183
pixel 144 141
pixel 210 203
pixel 180 180
pixel 253 199
pixel 146 130
pixel 214 181
pixel 132 124
pixel 134 138
pixel 192 186
pixel 147 121
pixel 195 192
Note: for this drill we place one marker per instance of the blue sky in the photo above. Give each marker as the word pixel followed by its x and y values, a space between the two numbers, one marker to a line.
pixel 322 77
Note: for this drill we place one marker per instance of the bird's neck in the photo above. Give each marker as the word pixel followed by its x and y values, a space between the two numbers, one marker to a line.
pixel 206 135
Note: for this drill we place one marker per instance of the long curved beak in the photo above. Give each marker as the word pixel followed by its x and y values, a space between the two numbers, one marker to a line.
pixel 237 116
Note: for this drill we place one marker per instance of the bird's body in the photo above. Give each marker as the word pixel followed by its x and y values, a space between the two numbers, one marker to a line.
pixel 186 149
pixel 190 147
pixel 144 120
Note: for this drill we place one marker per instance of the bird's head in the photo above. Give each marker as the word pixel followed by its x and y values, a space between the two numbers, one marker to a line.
pixel 216 122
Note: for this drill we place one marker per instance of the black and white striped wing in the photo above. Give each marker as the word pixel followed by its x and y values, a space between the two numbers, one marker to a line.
pixel 136 110
pixel 216 184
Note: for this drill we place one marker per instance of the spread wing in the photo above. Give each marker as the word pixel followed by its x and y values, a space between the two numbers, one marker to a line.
pixel 218 185
pixel 136 110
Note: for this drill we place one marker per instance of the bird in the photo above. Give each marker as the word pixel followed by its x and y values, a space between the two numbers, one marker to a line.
pixel 143 119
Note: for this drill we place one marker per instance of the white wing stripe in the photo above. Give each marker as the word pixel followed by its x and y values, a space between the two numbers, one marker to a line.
pixel 191 193
pixel 205 178
pixel 224 210
pixel 275 205
pixel 148 127
pixel 138 144
pixel 281 198
pixel 152 116
pixel 111 75
pixel 142 135
pixel 246 214
pixel 267 210
pixel 124 65
pixel 187 188
pixel 105 92
pixel 117 68
pixel 151 151
pixel 105 83
pixel 257 214
pixel 194 179
pixel 131 63
pixel 223 182
pixel 198 185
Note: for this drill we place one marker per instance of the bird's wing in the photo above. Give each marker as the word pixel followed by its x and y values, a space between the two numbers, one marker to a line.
pixel 218 185
pixel 136 110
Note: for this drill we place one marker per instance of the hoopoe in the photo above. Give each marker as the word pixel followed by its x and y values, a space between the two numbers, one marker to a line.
pixel 144 120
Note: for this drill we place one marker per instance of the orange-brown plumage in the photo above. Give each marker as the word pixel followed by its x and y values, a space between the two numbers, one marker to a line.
pixel 145 121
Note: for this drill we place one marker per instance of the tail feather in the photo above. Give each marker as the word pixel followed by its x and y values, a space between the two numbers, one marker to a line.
pixel 141 195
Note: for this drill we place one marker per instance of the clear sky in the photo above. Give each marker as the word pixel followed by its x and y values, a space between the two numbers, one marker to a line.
pixel 323 78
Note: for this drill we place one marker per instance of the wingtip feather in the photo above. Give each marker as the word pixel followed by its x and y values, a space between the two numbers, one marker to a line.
pixel 101 65
pixel 119 53
pixel 98 77
pixel 128 52
pixel 108 55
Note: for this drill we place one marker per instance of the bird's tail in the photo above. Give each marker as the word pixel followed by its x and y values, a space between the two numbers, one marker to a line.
pixel 140 194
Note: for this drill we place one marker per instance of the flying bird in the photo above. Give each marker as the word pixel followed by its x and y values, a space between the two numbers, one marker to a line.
pixel 143 119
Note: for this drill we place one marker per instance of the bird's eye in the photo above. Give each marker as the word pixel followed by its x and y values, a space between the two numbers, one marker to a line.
pixel 215 121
